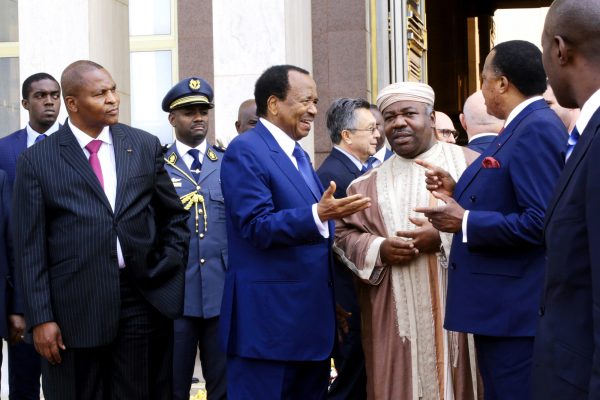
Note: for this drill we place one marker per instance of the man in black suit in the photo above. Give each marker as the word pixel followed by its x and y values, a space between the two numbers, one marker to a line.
pixel 353 131
pixel 567 345
pixel 100 247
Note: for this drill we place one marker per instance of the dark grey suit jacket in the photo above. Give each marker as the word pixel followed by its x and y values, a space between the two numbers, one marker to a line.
pixel 65 234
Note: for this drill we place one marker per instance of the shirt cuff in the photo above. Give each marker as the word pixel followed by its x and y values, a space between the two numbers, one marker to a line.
pixel 323 227
pixel 464 226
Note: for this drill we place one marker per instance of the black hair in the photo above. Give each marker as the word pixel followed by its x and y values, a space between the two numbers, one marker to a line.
pixel 521 62
pixel 273 82
pixel 40 76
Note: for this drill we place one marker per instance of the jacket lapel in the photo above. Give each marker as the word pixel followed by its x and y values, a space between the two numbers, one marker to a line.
pixel 123 154
pixel 348 164
pixel 573 162
pixel 208 165
pixel 72 153
pixel 494 147
pixel 284 163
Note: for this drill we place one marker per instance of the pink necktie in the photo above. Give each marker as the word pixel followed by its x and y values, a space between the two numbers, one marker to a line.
pixel 93 148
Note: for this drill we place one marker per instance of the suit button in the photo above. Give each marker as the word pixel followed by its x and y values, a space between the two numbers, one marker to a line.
pixel 202 236
pixel 330 283
pixel 202 260
pixel 200 211
pixel 197 187
pixel 453 266
pixel 473 198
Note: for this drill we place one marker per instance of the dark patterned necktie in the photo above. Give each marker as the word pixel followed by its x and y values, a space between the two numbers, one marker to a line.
pixel 196 164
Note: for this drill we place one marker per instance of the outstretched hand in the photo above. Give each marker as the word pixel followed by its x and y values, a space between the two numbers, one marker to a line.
pixel 445 218
pixel 437 179
pixel 331 208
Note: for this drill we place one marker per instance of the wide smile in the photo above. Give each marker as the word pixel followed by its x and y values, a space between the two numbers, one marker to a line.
pixel 306 123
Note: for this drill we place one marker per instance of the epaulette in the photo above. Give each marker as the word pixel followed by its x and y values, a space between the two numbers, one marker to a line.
pixel 219 146
pixel 166 147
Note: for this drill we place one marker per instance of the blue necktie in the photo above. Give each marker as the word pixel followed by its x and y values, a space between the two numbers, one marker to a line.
pixel 40 137
pixel 196 166
pixel 306 171
pixel 369 165
pixel 573 138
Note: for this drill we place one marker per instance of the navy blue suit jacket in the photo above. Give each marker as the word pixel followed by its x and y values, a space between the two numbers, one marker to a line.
pixel 9 302
pixel 480 144
pixel 207 260
pixel 495 280
pixel 65 236
pixel 278 299
pixel 11 148
pixel 567 346
pixel 339 168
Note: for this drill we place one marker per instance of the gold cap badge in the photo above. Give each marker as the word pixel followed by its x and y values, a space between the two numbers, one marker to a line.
pixel 194 84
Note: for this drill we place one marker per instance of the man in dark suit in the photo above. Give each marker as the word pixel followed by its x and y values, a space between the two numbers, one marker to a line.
pixel 382 152
pixel 195 169
pixel 481 127
pixel 567 345
pixel 100 249
pixel 41 99
pixel 278 316
pixel 353 131
pixel 496 263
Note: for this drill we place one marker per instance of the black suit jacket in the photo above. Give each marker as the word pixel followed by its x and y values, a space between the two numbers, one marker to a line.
pixel 65 234
pixel 567 345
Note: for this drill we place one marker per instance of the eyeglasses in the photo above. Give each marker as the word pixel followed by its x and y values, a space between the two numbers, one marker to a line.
pixel 447 133
pixel 370 130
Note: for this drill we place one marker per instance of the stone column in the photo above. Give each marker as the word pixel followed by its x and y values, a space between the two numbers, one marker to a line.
pixel 53 34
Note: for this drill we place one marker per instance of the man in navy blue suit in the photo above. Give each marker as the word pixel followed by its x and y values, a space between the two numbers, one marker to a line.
pixel 481 127
pixel 195 168
pixel 496 263
pixel 277 320
pixel 41 98
pixel 353 131
pixel 567 345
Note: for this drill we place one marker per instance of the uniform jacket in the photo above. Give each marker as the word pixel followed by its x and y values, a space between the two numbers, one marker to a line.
pixel 65 234
pixel 567 346
pixel 207 260
pixel 278 299
pixel 9 304
pixel 495 280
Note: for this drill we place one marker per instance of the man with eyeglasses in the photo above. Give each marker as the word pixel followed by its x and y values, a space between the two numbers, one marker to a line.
pixel 353 131
pixel 444 128
pixel 398 263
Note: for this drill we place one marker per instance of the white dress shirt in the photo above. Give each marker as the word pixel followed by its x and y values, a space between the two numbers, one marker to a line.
pixel 187 158
pixel 379 156
pixel 512 115
pixel 587 111
pixel 32 134
pixel 106 156
pixel 288 144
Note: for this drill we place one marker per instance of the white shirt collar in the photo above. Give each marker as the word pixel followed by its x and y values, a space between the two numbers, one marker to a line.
pixel 352 158
pixel 520 107
pixel 84 139
pixel 380 154
pixel 587 111
pixel 183 149
pixel 32 134
pixel 481 135
pixel 283 140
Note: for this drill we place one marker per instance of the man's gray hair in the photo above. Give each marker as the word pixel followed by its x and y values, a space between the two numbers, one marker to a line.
pixel 340 116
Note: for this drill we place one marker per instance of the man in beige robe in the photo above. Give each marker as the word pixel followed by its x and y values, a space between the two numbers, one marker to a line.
pixel 400 260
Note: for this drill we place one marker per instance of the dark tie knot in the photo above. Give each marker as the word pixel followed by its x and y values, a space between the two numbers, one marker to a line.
pixel 94 146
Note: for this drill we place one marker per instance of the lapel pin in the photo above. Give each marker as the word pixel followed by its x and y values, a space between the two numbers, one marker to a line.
pixel 129 150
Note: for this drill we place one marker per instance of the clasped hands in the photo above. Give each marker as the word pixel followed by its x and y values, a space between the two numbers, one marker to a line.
pixel 448 217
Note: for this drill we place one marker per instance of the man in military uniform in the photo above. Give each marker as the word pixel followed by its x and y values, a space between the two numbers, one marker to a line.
pixel 194 167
